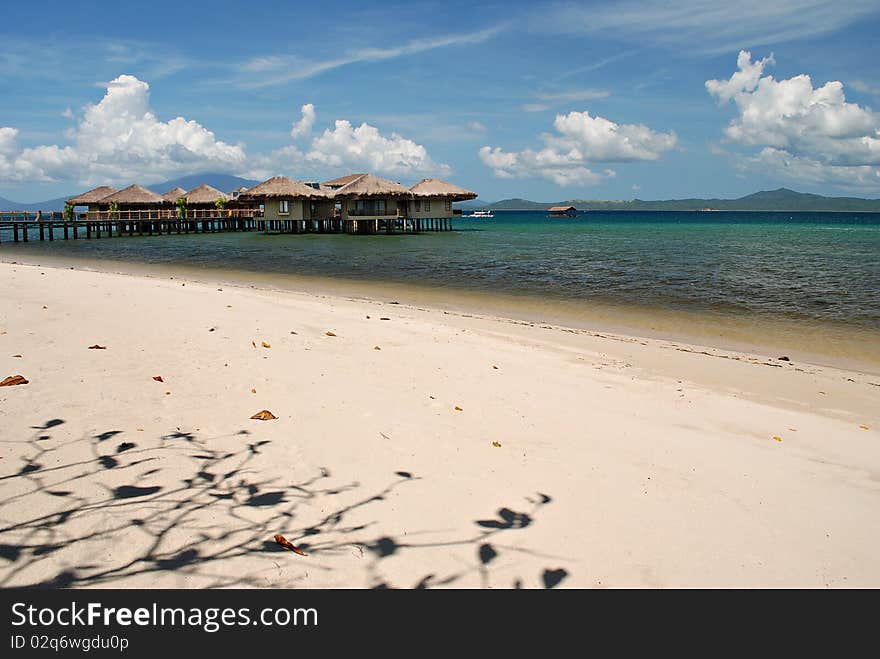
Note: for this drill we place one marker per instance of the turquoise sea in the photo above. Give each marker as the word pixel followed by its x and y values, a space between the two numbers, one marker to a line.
pixel 811 274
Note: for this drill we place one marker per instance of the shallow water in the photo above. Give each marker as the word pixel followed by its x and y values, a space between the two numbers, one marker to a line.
pixel 809 281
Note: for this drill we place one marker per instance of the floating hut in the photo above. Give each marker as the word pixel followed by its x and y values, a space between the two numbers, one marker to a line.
pixel 92 197
pixel 284 199
pixel 562 211
pixel 433 197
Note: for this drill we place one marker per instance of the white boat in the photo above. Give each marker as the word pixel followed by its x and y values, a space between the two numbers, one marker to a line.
pixel 481 214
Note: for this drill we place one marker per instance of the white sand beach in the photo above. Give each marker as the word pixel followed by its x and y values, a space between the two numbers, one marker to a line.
pixel 412 447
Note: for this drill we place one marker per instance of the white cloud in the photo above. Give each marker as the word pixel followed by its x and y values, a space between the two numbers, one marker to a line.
pixel 535 107
pixel 477 126
pixel 706 25
pixel 345 148
pixel 576 95
pixel 67 113
pixel 120 139
pixel 802 129
pixel 271 70
pixel 865 88
pixel 580 141
pixel 303 127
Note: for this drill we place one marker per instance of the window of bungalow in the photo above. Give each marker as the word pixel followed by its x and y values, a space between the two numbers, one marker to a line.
pixel 418 206
pixel 427 205
pixel 360 206
pixel 283 206
pixel 380 207
pixel 447 204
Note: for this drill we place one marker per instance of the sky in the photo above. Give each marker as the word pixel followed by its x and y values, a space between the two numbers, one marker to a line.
pixel 544 101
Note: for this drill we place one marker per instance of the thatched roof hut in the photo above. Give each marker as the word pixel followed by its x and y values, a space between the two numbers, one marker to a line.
pixel 133 195
pixel 342 180
pixel 174 194
pixel 283 187
pixel 204 195
pixel 435 187
pixel 368 185
pixel 91 197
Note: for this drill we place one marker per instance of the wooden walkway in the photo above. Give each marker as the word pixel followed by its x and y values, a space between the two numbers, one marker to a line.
pixel 22 227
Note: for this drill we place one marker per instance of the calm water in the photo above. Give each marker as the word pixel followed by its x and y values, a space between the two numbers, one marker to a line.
pixel 803 268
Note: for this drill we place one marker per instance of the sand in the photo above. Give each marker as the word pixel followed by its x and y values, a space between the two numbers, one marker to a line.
pixel 412 447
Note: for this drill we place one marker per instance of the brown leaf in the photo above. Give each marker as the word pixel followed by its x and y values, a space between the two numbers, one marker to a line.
pixel 158 378
pixel 495 367
pixel 284 542
pixel 864 427
pixel 496 444
pixel 16 355
pixel 376 348
pixel 266 345
pixel 264 415
pixel 458 409
pixel 13 380
pixel 254 344
pixel 253 391
pixel 97 347
pixel 777 438
pixel 384 319
pixel 329 334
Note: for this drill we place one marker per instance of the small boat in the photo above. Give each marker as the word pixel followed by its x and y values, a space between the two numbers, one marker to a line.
pixel 481 214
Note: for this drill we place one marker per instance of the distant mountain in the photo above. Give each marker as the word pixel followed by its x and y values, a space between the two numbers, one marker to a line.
pixel 782 199
pixel 223 182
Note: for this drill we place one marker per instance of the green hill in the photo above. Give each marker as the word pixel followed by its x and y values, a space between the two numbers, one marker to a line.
pixel 782 199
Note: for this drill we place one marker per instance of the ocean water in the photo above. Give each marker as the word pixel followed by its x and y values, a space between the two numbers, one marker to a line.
pixel 808 278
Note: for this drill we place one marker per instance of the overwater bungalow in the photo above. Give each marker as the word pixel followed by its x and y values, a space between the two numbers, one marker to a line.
pixel 203 196
pixel 92 198
pixel 134 197
pixel 336 183
pixel 173 195
pixel 433 197
pixel 561 211
pixel 370 197
pixel 286 200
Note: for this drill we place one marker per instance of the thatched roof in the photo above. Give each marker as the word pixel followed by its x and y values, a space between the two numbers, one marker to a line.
pixel 92 196
pixel 435 187
pixel 281 186
pixel 204 194
pixel 133 194
pixel 174 194
pixel 561 209
pixel 367 185
pixel 342 180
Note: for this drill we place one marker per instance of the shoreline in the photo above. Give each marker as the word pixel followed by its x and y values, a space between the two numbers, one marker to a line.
pixel 412 446
pixel 819 343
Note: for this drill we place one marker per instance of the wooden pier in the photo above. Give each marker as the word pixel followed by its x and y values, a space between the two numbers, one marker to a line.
pixel 26 226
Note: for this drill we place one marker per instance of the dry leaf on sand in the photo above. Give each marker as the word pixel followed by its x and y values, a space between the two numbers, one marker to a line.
pixel 329 334
pixel 496 444
pixel 97 347
pixel 284 542
pixel 264 415
pixel 376 348
pixel 13 380
pixel 158 378
pixel 266 345
pixel 253 391
pixel 777 438
pixel 457 408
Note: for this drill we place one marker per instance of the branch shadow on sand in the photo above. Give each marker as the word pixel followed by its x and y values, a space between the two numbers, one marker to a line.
pixel 213 514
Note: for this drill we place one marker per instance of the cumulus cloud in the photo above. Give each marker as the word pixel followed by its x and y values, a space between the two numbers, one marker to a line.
pixel 346 147
pixel 121 139
pixel 580 141
pixel 303 127
pixel 802 129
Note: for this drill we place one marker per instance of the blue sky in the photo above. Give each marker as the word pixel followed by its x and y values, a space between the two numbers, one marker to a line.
pixel 546 101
